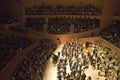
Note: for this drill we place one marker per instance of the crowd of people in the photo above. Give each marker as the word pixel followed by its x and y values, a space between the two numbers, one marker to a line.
pixel 85 24
pixel 58 25
pixel 112 33
pixel 19 29
pixel 5 18
pixel 76 58
pixel 33 65
pixel 62 25
pixel 9 44
pixel 87 9
pixel 35 23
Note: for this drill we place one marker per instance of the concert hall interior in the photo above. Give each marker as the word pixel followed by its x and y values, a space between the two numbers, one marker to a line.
pixel 59 40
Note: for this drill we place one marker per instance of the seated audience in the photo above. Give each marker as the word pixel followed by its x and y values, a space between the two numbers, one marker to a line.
pixel 87 9
pixel 85 24
pixel 35 23
pixel 58 25
pixel 5 19
pixel 9 44
pixel 112 33
pixel 32 67
pixel 18 29
pixel 62 25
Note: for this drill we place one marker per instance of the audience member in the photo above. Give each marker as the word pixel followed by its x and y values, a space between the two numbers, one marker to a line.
pixel 32 67
pixel 6 19
pixel 112 33
pixel 87 9
pixel 9 44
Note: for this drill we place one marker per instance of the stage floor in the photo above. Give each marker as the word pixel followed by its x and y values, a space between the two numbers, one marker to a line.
pixel 51 70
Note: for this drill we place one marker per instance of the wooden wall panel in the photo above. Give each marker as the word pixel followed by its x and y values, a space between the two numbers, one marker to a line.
pixel 13 8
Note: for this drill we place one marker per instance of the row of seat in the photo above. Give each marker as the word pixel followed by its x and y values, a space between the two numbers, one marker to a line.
pixel 32 67
pixel 9 44
pixel 62 25
pixel 5 18
pixel 112 33
pixel 63 10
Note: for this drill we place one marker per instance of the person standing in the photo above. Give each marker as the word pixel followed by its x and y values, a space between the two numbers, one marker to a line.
pixel 83 76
